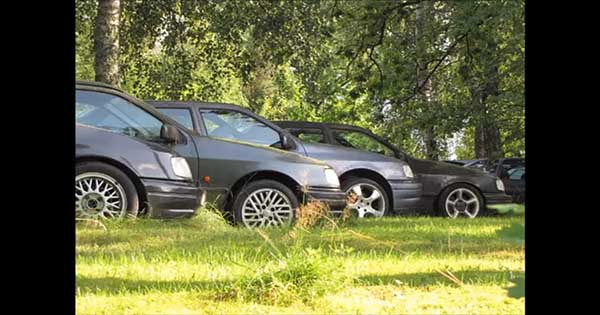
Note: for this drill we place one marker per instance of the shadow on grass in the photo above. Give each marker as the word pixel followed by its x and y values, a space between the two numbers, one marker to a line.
pixel 112 285
pixel 488 277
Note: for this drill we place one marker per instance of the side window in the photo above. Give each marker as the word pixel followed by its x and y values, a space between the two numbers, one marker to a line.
pixel 361 141
pixel 516 173
pixel 115 114
pixel 234 125
pixel 180 115
pixel 310 135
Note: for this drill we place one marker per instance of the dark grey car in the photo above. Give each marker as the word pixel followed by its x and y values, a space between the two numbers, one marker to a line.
pixel 258 185
pixel 376 183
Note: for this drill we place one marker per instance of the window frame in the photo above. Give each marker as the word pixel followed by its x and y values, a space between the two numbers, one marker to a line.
pixel 190 110
pixel 317 129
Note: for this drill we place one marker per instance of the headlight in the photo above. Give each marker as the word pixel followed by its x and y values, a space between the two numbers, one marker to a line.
pixel 181 167
pixel 331 177
pixel 499 185
pixel 408 171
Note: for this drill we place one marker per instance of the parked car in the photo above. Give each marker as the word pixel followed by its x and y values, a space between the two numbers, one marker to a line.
pixel 512 173
pixel 448 189
pixel 116 174
pixel 257 185
pixel 455 162
pixel 477 163
pixel 377 182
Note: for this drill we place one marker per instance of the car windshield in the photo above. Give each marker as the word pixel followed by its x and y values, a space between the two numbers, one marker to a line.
pixel 113 113
pixel 238 126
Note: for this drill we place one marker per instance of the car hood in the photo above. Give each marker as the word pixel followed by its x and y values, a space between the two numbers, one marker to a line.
pixel 440 168
pixel 346 159
pixel 343 153
pixel 254 151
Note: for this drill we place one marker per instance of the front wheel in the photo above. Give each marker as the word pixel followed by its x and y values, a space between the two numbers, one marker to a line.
pixel 366 197
pixel 460 199
pixel 265 203
pixel 103 191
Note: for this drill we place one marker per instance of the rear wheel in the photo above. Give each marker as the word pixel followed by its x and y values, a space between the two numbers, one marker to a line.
pixel 265 203
pixel 366 197
pixel 103 191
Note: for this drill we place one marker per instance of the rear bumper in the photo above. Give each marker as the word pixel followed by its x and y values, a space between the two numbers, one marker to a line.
pixel 408 195
pixel 171 199
pixel 497 198
pixel 333 197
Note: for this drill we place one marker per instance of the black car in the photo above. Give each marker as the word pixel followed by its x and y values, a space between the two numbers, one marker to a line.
pixel 512 173
pixel 377 182
pixel 116 174
pixel 257 185
pixel 477 163
pixel 447 188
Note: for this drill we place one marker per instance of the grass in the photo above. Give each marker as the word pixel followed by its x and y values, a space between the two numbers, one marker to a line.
pixel 400 265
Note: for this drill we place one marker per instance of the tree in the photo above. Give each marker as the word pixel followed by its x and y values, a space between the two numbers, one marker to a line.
pixel 106 42
pixel 419 71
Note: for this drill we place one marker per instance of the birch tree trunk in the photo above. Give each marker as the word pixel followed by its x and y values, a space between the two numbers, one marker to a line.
pixel 106 42
pixel 423 14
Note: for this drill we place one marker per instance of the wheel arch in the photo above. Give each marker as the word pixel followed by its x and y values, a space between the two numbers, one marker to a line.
pixel 139 187
pixel 372 175
pixel 286 180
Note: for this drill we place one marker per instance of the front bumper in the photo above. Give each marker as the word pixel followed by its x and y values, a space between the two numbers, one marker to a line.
pixel 171 199
pixel 333 197
pixel 497 198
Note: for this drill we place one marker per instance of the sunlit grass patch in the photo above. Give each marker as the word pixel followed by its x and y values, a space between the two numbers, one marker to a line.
pixel 388 265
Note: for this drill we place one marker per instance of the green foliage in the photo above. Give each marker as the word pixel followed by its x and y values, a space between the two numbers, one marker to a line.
pixel 334 61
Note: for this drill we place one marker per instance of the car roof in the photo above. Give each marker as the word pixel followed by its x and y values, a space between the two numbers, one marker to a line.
pixel 98 84
pixel 311 124
pixel 194 103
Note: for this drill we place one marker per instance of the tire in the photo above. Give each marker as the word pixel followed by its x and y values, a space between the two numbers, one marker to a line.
pixel 472 204
pixel 104 191
pixel 364 205
pixel 264 203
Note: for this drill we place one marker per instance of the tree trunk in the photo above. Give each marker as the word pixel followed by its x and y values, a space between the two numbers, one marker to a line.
pixel 426 90
pixel 106 42
pixel 488 142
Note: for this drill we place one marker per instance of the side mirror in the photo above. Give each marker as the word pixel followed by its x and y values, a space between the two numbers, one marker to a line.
pixel 170 134
pixel 286 142
pixel 401 156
